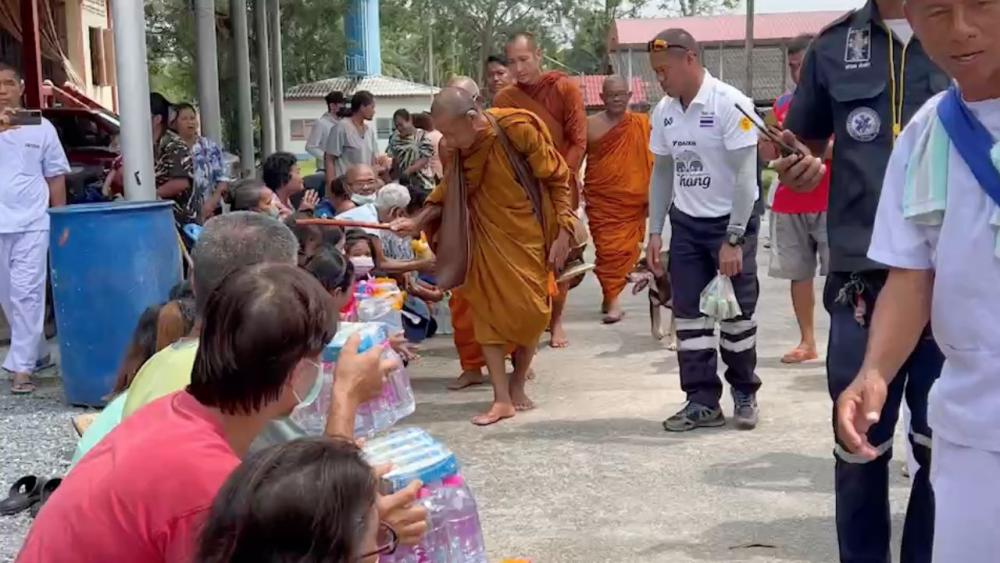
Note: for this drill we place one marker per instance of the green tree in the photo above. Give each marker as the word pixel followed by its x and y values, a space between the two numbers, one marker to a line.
pixel 698 7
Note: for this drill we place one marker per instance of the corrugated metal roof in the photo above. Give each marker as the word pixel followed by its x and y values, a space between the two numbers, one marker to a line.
pixel 379 86
pixel 592 84
pixel 721 29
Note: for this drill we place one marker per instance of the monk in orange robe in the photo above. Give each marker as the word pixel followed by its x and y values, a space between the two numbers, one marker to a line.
pixel 557 100
pixel 616 190
pixel 513 255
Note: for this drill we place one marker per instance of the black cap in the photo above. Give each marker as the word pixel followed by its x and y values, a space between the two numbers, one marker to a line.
pixel 335 98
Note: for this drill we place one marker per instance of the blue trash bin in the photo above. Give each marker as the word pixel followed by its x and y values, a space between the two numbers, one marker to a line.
pixel 109 262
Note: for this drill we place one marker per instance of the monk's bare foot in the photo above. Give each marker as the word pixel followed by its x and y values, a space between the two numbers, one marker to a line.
pixel 531 373
pixel 497 412
pixel 559 338
pixel 802 353
pixel 521 400
pixel 614 314
pixel 605 307
pixel 467 379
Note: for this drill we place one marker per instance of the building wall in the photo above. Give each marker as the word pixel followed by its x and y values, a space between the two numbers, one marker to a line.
pixel 86 28
pixel 301 113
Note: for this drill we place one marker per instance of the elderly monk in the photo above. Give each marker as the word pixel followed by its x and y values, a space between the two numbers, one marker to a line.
pixel 513 255
pixel 558 102
pixel 616 190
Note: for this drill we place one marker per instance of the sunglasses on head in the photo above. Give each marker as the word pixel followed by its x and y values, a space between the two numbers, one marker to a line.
pixel 658 45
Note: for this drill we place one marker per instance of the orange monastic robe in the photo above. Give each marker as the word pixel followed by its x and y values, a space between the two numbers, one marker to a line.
pixel 616 189
pixel 557 100
pixel 507 285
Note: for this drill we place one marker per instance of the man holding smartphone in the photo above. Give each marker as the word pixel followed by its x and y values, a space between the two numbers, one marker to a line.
pixel 32 178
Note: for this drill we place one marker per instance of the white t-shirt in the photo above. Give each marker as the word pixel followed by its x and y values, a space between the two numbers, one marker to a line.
pixel 698 140
pixel 964 404
pixel 28 155
pixel 901 29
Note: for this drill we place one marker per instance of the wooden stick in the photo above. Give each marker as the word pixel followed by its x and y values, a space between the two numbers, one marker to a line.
pixel 343 224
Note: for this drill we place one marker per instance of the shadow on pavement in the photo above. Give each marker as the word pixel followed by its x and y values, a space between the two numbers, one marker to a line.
pixel 636 431
pixel 792 539
pixel 783 472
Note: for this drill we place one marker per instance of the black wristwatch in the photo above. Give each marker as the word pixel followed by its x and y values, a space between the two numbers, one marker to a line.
pixel 733 239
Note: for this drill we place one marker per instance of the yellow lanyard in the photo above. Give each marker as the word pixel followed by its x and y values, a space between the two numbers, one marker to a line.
pixel 896 95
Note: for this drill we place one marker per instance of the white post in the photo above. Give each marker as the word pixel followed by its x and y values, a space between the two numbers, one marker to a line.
pixel 748 85
pixel 277 80
pixel 241 43
pixel 264 102
pixel 136 135
pixel 630 68
pixel 208 70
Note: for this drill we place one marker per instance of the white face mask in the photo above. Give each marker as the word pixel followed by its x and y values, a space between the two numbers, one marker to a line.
pixel 305 414
pixel 359 199
pixel 362 265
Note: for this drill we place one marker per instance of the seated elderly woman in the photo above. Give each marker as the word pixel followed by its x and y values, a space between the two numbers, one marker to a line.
pixel 306 500
pixel 393 253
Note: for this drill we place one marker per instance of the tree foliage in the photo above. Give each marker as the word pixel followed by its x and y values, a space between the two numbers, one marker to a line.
pixel 698 7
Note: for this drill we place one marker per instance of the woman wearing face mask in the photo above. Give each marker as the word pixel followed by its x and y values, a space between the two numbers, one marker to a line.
pixel 360 250
pixel 253 195
pixel 392 253
pixel 310 500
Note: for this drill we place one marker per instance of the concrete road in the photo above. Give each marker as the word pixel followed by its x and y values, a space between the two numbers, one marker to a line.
pixel 591 475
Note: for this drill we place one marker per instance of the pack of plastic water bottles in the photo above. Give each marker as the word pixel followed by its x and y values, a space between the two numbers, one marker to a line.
pixel 394 403
pixel 454 534
pixel 380 300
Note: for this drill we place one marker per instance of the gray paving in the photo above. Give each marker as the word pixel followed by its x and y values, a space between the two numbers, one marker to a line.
pixel 590 476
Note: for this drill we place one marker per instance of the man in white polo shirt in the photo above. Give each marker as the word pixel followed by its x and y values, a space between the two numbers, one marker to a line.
pixel 938 231
pixel 706 167
pixel 32 177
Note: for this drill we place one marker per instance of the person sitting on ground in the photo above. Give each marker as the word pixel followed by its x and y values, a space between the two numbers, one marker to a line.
pixel 337 200
pixel 310 239
pixel 159 326
pixel 143 493
pixel 307 500
pixel 393 253
pixel 252 195
pixel 360 250
pixel 280 172
pixel 335 272
pixel 334 237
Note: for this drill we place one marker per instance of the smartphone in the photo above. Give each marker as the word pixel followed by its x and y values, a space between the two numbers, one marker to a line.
pixel 23 117
pixel 785 149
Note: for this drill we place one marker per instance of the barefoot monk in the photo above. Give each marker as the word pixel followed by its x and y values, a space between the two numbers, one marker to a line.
pixel 515 244
pixel 617 190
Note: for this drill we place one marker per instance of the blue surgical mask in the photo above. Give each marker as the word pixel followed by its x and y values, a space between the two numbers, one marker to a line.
pixel 359 199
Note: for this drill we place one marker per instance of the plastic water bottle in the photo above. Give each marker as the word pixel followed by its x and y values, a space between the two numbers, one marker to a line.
pixel 406 403
pixel 442 315
pixel 380 310
pixel 465 535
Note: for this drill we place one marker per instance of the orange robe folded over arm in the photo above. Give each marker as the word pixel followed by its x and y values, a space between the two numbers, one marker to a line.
pixel 619 165
pixel 507 282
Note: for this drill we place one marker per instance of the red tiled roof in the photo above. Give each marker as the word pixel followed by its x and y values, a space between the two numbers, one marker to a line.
pixel 591 85
pixel 721 29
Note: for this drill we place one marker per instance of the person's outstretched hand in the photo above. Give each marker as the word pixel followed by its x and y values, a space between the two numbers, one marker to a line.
pixel 359 377
pixel 405 227
pixel 309 201
pixel 858 409
pixel 401 511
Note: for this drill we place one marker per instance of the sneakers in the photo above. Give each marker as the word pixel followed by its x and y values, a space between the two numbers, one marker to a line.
pixel 694 415
pixel 745 410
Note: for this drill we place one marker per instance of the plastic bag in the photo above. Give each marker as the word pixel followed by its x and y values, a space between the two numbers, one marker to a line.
pixel 718 299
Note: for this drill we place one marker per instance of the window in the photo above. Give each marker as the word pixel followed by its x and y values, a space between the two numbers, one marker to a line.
pixel 384 127
pixel 301 128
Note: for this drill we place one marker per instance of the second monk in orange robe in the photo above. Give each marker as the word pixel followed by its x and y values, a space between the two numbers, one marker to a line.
pixel 558 102
pixel 512 254
pixel 619 165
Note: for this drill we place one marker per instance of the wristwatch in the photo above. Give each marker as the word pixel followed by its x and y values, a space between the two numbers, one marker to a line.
pixel 733 239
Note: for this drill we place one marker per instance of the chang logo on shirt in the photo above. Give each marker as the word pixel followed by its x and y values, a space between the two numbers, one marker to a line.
pixel 691 171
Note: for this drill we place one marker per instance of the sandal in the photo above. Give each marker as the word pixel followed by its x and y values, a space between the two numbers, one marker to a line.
pixel 24 493
pixel 47 489
pixel 25 387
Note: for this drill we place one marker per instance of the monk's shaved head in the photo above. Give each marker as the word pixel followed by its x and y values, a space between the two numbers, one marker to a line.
pixel 525 39
pixel 614 83
pixel 452 102
pixel 464 83
pixel 457 116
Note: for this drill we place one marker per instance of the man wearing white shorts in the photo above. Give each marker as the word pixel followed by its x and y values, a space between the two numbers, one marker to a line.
pixel 938 229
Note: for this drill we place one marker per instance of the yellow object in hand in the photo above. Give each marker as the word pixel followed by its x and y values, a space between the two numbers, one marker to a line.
pixel 421 248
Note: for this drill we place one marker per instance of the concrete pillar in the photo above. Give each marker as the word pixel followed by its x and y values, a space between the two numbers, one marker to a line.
pixel 208 70
pixel 748 82
pixel 31 54
pixel 277 79
pixel 241 43
pixel 136 135
pixel 264 101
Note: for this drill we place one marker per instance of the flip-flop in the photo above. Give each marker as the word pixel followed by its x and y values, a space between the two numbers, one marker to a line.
pixel 25 492
pixel 47 489
pixel 489 419
pixel 23 388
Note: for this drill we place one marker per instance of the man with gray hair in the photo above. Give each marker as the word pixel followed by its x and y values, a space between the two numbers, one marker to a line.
pixel 227 243
pixel 393 252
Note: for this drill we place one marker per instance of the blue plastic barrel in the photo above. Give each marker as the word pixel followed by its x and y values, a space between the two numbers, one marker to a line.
pixel 109 262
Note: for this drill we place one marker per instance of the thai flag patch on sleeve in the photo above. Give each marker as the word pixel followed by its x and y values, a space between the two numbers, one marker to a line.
pixel 707 120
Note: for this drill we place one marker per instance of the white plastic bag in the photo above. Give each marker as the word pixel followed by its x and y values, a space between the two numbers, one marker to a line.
pixel 718 299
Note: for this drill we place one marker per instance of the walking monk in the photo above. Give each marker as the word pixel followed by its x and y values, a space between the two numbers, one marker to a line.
pixel 558 102
pixel 514 247
pixel 617 190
